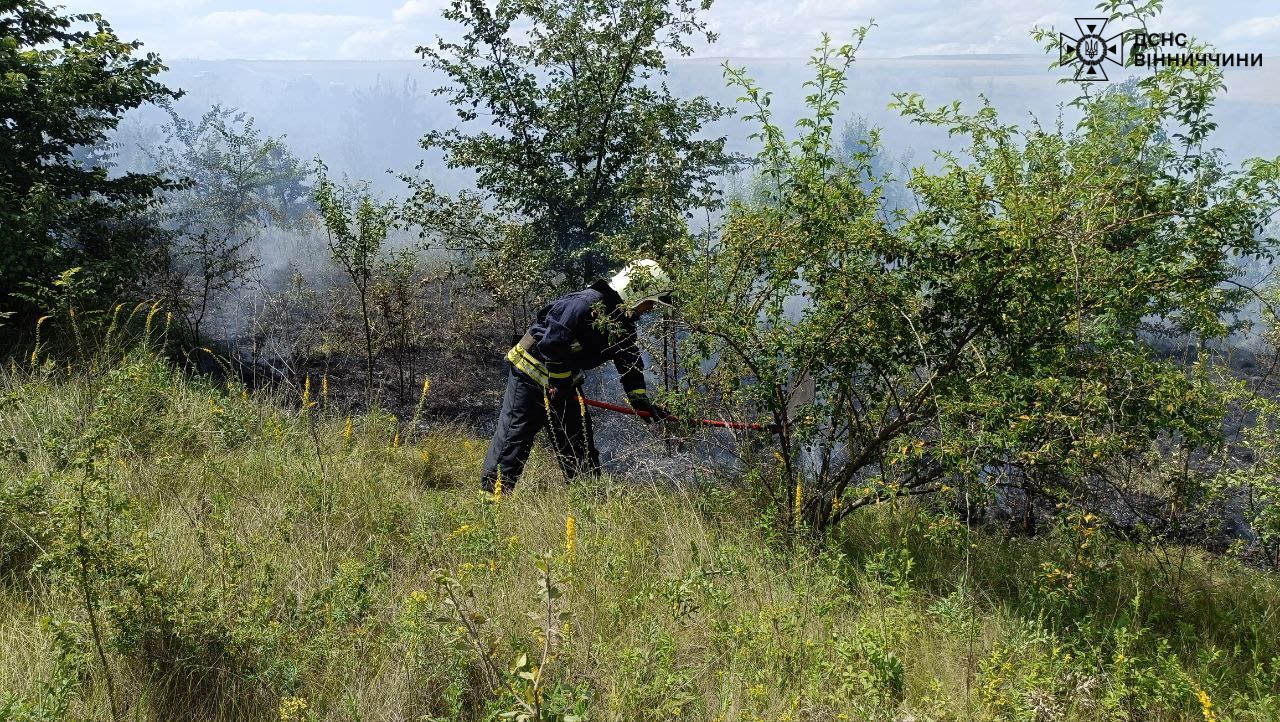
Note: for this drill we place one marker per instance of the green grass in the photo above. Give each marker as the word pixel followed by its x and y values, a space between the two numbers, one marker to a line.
pixel 238 570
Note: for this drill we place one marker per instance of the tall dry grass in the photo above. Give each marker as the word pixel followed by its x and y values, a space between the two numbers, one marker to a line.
pixel 272 559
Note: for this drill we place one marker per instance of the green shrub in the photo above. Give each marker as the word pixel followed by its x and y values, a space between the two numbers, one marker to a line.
pixel 997 336
pixel 284 577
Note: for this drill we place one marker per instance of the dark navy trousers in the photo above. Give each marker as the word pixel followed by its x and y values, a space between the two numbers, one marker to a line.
pixel 526 410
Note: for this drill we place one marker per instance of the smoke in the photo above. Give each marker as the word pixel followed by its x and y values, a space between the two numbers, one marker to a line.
pixel 366 119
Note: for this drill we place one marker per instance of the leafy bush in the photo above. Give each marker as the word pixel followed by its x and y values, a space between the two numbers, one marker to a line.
pixel 71 80
pixel 1006 334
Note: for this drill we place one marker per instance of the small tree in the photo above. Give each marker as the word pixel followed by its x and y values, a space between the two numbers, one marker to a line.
pixel 236 183
pixel 1002 334
pixel 396 302
pixel 886 173
pixel 506 257
pixel 356 227
pixel 580 140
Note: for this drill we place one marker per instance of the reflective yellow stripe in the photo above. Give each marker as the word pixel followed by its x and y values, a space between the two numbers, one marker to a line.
pixel 523 357
pixel 551 374
pixel 638 392
pixel 532 370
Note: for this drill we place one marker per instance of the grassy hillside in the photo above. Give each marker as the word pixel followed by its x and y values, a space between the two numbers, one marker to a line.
pixel 179 551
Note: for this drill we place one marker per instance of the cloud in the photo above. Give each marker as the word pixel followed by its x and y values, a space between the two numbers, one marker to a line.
pixel 391 29
pixel 903 27
pixel 266 25
pixel 1259 28
pixel 383 42
pixel 137 8
pixel 419 10
pixel 313 36
pixel 271 36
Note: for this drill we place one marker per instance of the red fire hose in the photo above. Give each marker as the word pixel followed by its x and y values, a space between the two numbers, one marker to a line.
pixel 702 422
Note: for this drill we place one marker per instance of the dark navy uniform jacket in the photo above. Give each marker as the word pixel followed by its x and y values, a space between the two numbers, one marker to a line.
pixel 578 332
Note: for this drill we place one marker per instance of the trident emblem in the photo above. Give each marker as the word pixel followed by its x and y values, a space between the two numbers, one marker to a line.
pixel 1091 49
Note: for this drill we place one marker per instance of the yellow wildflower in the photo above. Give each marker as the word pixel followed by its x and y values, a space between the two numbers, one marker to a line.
pixel 155 308
pixel 422 400
pixel 346 430
pixel 1206 706
pixel 570 534
pixel 35 350
pixel 292 708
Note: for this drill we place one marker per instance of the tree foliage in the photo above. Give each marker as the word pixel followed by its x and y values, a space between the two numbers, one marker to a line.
pixel 236 184
pixel 504 257
pixel 584 141
pixel 1005 333
pixel 65 83
pixel 357 227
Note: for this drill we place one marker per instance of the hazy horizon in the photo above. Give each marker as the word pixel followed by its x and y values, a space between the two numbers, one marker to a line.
pixel 391 29
pixel 366 116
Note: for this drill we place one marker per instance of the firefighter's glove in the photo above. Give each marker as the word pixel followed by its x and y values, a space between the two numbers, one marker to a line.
pixel 644 405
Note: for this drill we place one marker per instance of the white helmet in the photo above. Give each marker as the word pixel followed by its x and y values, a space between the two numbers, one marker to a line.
pixel 641 281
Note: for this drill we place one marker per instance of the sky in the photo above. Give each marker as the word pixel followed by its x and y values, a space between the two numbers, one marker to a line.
pixel 391 29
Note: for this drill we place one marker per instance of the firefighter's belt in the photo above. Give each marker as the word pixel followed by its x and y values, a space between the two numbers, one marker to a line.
pixel 521 356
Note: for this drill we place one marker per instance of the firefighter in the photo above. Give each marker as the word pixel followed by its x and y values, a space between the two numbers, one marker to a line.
pixel 576 332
